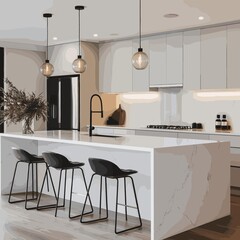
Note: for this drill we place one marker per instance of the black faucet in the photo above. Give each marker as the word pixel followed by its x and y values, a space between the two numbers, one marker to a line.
pixel 91 112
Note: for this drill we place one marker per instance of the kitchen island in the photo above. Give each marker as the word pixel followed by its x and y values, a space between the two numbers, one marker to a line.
pixel 181 183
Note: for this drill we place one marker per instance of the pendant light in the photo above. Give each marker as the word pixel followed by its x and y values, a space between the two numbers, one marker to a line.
pixel 79 65
pixel 47 68
pixel 140 58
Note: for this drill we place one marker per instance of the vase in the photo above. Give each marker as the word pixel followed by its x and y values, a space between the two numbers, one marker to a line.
pixel 28 126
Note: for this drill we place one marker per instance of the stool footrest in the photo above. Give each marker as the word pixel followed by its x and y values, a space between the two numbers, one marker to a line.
pixel 124 205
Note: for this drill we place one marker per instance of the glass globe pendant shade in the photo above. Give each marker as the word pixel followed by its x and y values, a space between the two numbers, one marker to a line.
pixel 79 65
pixel 140 59
pixel 47 69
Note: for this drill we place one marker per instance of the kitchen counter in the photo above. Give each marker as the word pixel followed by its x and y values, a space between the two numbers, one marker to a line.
pixel 132 142
pixel 197 131
pixel 181 183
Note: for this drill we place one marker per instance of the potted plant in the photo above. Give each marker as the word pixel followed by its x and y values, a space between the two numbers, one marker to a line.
pixel 19 106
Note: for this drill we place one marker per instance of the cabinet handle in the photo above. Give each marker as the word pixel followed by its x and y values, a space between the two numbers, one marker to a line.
pixel 59 103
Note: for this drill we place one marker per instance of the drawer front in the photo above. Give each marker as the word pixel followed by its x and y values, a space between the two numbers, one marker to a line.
pixel 193 136
pixel 156 133
pixel 124 132
pixel 104 130
pixel 234 140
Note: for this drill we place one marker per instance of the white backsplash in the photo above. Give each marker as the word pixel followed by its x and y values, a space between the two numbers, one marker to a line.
pixel 205 110
pixel 176 106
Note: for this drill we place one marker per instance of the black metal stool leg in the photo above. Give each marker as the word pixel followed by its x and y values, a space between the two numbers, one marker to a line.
pixel 88 196
pixel 36 180
pixel 71 191
pixel 125 195
pixel 65 184
pixel 134 190
pixel 137 207
pixel 100 201
pixel 10 194
pixel 59 185
pixel 47 172
pixel 85 183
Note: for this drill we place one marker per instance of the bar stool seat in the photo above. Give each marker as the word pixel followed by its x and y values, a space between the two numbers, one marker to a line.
pixel 60 162
pixel 25 157
pixel 107 169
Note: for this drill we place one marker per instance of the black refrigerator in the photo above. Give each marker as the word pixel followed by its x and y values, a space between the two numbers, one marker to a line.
pixel 63 97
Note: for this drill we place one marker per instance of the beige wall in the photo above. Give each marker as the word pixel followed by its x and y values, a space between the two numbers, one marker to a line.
pixel 62 56
pixel 22 69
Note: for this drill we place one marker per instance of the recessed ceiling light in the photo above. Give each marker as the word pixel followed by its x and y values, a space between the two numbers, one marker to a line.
pixel 171 15
pixel 55 38
pixel 200 18
pixel 95 35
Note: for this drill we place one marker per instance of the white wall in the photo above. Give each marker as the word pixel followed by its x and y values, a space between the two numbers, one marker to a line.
pixel 22 69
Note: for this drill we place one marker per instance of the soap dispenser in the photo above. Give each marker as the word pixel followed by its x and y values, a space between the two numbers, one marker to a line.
pixel 218 123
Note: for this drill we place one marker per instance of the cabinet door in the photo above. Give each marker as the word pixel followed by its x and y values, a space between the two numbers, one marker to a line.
pixel 105 67
pixel 158 60
pixel 174 58
pixel 233 56
pixel 140 77
pixel 213 58
pixel 191 63
pixel 121 66
pixel 193 136
pixel 156 133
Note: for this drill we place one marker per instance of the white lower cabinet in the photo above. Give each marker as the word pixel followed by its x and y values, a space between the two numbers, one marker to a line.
pixel 113 131
pixel 194 136
pixel 156 133
pixel 104 131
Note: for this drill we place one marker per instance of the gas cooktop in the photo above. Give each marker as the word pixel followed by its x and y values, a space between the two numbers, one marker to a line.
pixel 172 127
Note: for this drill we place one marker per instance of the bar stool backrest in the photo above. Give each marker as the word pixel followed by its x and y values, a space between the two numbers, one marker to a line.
pixel 22 155
pixel 55 160
pixel 104 168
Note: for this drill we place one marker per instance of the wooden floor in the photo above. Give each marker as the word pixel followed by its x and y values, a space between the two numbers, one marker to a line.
pixel 18 224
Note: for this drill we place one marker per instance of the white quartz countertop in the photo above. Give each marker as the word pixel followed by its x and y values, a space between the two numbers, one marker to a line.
pixel 225 133
pixel 131 142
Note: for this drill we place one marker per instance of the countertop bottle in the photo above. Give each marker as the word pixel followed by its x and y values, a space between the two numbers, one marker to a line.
pixel 224 123
pixel 218 123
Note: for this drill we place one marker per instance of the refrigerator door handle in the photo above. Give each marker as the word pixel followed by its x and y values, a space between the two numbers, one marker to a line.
pixel 59 103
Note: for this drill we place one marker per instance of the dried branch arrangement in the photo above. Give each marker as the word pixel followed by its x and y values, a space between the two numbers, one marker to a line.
pixel 17 106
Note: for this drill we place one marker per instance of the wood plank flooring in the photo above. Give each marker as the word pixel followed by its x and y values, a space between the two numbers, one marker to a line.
pixel 18 224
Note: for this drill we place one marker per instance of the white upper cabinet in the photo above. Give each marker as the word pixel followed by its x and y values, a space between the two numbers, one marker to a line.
pixel 115 67
pixel 191 64
pixel 158 60
pixel 140 78
pixel 116 72
pixel 105 67
pixel 166 54
pixel 121 66
pixel 233 56
pixel 174 58
pixel 213 58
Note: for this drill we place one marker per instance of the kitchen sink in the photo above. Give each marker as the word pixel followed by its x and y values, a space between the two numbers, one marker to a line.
pixel 103 135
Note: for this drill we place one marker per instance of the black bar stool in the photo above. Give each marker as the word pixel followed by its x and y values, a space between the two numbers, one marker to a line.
pixel 25 157
pixel 107 169
pixel 60 162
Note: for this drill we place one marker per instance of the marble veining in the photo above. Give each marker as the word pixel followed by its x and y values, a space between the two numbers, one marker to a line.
pixel 181 183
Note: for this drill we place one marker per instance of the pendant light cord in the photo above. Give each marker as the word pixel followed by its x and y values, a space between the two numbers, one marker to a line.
pixel 47 38
pixel 140 23
pixel 79 32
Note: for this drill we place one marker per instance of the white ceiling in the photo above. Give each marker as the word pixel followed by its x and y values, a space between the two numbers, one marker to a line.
pixel 22 21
